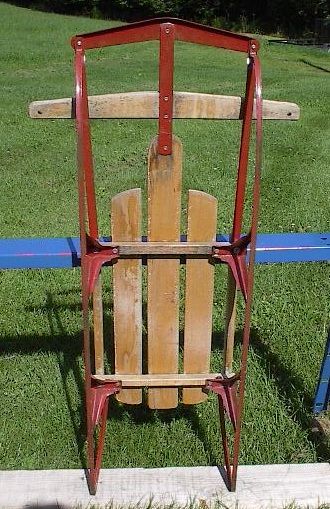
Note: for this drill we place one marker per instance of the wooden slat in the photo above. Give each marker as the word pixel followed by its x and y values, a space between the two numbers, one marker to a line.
pixel 164 207
pixel 127 291
pixel 170 248
pixel 202 221
pixel 98 327
pixel 145 105
pixel 168 380
pixel 230 324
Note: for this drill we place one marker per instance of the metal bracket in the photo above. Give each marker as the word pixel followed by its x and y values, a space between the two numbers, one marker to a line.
pixel 235 256
pixel 99 395
pixel 226 389
pixel 93 260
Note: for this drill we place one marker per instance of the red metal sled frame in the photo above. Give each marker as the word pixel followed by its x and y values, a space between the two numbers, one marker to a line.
pixel 94 254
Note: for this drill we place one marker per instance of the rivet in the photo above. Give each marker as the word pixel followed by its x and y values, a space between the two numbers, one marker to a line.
pixel 253 46
pixel 166 98
pixel 115 250
pixel 167 30
pixel 165 116
pixel 165 147
pixel 78 43
pixel 216 251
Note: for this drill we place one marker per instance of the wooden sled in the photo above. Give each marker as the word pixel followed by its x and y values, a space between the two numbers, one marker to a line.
pixel 164 248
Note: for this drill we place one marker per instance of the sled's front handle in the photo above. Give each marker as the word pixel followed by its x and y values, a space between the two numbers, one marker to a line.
pixel 166 31
pixel 149 30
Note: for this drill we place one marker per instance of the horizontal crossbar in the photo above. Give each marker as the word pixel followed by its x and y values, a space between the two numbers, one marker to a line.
pixel 167 248
pixel 168 380
pixel 64 252
pixel 146 105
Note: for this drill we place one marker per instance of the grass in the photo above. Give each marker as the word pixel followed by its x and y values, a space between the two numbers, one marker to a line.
pixel 41 419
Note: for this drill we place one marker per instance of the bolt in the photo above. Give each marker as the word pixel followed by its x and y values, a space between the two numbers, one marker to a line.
pixel 253 46
pixel 79 43
pixel 165 116
pixel 216 251
pixel 114 250
pixel 167 30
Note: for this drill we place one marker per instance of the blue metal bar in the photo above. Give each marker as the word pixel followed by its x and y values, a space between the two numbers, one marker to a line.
pixel 322 394
pixel 64 252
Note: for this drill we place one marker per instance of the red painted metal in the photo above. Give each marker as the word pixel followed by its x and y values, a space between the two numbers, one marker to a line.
pixel 100 393
pixel 166 65
pixel 212 37
pixel 98 409
pixel 244 154
pixel 149 30
pixel 226 388
pixel 235 257
pixel 84 150
pixel 250 277
pixel 93 264
pixel 230 390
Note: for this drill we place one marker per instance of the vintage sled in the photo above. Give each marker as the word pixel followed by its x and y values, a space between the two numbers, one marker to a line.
pixel 164 248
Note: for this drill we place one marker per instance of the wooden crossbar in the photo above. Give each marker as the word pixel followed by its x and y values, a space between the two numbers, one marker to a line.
pixel 167 380
pixel 145 105
pixel 165 248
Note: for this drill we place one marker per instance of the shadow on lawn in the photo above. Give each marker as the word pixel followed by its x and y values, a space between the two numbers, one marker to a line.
pixel 292 391
pixel 68 350
pixel 307 62
pixel 69 362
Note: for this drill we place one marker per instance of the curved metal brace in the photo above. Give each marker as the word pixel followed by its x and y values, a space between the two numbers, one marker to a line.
pixel 98 404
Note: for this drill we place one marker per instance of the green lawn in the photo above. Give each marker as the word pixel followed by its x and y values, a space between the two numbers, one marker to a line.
pixel 40 368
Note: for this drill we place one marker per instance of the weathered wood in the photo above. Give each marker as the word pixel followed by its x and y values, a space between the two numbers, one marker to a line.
pixel 127 292
pixel 167 380
pixel 258 487
pixel 98 327
pixel 145 105
pixel 230 319
pixel 202 222
pixel 164 207
pixel 159 248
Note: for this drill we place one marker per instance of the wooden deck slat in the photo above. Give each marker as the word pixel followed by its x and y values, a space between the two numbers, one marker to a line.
pixel 145 105
pixel 202 221
pixel 164 207
pixel 127 292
